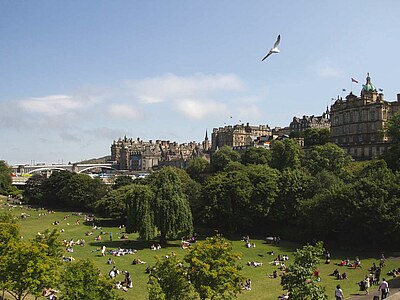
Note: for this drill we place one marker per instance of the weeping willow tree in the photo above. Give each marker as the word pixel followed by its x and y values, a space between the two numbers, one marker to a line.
pixel 172 209
pixel 161 205
pixel 140 216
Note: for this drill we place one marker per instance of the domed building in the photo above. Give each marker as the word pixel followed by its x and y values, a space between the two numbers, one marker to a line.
pixel 357 122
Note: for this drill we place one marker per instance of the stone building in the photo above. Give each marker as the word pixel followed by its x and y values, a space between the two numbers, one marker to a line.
pixel 237 136
pixel 138 155
pixel 357 122
pixel 300 124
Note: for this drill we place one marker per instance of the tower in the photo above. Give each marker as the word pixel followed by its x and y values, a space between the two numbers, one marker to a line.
pixel 206 143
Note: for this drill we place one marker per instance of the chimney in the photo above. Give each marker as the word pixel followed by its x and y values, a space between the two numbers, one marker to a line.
pixel 398 97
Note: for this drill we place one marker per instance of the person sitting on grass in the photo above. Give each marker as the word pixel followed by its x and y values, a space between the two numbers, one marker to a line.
pixel 110 261
pixel 273 275
pixel 254 264
pixel 357 263
pixel 247 285
pixel 338 276
pixel 334 273
pixel 138 261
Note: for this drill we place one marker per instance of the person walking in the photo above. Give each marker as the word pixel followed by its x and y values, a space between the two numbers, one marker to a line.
pixel 339 293
pixel 367 284
pixel 384 288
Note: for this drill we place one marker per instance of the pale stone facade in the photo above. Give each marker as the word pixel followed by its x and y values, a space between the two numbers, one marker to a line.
pixel 138 155
pixel 319 122
pixel 357 122
pixel 237 136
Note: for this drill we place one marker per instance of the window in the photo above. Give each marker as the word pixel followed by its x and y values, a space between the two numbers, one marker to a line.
pixel 372 115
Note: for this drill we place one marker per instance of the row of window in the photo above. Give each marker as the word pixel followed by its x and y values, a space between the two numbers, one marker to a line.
pixel 354 128
pixel 356 138
pixel 364 115
pixel 373 151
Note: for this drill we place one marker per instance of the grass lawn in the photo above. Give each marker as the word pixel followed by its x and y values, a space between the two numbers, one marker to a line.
pixel 262 286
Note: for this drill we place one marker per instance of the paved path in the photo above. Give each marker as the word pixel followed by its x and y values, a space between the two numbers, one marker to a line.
pixel 394 286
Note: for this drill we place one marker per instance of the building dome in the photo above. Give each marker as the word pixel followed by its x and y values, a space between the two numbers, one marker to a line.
pixel 368 87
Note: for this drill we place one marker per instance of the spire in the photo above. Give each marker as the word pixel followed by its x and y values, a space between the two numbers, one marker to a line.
pixel 206 138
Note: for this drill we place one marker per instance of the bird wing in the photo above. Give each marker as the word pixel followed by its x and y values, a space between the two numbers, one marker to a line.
pixel 278 40
pixel 269 53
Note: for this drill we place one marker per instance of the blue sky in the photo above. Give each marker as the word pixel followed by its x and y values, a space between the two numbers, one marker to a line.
pixel 75 75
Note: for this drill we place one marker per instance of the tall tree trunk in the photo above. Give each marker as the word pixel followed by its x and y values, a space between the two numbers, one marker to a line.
pixel 163 238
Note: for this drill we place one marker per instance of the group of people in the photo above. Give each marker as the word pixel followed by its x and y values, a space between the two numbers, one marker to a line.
pixel 339 276
pixel 50 294
pixel 254 264
pixel 122 285
pixel 155 247
pixel 383 289
pixel 247 285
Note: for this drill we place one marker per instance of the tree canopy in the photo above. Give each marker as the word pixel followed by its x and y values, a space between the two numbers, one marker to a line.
pixel 299 279
pixel 82 280
pixel 5 178
pixel 209 271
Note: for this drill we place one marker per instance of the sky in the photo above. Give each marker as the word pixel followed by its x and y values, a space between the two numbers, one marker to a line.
pixel 77 75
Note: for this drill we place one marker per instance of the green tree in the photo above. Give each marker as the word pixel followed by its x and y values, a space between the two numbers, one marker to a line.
pixel 256 156
pixel 227 200
pixel 162 205
pixel 82 280
pixel 222 157
pixel 213 269
pixel 76 191
pixel 82 192
pixel 286 154
pixel 328 157
pixel 316 136
pixel 293 187
pixel 5 178
pixel 198 169
pixel 113 205
pixel 121 181
pixel 26 268
pixel 392 131
pixel 171 206
pixel 49 241
pixel 9 230
pixel 265 189
pixel 298 279
pixel 140 214
pixel 169 280
pixel 33 191
pixel 52 189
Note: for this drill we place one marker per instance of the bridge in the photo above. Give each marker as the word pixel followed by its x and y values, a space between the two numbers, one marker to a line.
pixel 23 172
pixel 76 168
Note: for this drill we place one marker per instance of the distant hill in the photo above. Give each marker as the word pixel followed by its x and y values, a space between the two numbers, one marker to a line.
pixel 100 160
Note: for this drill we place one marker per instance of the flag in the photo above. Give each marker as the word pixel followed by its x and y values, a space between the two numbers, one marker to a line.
pixel 343 90
pixel 354 80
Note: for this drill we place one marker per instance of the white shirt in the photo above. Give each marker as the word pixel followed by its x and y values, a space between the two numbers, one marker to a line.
pixel 338 292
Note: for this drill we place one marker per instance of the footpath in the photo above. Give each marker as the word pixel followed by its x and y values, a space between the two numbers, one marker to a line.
pixel 394 287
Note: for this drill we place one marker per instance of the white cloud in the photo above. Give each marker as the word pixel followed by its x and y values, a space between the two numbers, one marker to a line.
pixel 326 69
pixel 197 110
pixel 249 112
pixel 171 87
pixel 123 111
pixel 51 105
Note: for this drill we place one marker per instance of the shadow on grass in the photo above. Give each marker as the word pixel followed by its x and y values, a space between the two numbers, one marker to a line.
pixel 132 244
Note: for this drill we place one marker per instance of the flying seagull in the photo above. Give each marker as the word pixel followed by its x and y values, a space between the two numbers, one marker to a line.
pixel 274 49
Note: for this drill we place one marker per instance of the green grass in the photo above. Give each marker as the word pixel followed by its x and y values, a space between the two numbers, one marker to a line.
pixel 262 286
